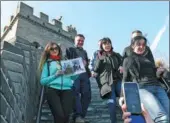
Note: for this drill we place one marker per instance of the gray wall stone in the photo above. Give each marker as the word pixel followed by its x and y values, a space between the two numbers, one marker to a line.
pixel 13 66
pixel 38 29
pixel 7 55
pixel 19 89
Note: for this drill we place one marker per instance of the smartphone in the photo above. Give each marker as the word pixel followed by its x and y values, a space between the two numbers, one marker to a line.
pixel 132 98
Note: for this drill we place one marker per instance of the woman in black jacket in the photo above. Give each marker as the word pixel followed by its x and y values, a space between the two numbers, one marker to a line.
pixel 106 67
pixel 140 69
pixel 128 51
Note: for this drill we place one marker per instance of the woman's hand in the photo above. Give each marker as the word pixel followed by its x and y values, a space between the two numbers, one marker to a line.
pixel 161 69
pixel 120 69
pixel 126 115
pixel 59 72
pixel 93 74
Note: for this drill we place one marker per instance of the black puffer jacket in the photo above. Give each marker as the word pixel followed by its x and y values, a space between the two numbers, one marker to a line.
pixel 106 68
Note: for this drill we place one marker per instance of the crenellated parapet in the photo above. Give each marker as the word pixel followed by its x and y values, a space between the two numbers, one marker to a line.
pixel 26 12
pixel 72 30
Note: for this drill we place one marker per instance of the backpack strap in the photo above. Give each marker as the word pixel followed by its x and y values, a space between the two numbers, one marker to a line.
pixel 48 68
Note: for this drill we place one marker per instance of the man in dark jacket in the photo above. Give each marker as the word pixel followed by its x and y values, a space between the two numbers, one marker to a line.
pixel 82 83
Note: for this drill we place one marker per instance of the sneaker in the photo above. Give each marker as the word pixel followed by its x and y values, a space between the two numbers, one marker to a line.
pixel 79 120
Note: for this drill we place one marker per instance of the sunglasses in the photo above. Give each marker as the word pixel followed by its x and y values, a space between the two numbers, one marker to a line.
pixel 53 48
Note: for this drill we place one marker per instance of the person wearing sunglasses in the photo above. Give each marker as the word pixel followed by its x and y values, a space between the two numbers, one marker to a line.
pixel 82 87
pixel 58 86
pixel 138 68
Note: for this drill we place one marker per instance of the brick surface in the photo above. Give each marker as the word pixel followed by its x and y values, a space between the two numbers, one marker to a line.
pixel 16 92
pixel 2 119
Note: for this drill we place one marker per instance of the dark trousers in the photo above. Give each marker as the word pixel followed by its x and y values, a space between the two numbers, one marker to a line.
pixel 60 103
pixel 116 89
pixel 82 93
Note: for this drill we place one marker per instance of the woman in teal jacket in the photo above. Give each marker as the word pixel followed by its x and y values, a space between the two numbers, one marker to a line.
pixel 59 87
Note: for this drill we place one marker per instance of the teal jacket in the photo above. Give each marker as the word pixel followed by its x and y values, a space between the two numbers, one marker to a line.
pixel 61 82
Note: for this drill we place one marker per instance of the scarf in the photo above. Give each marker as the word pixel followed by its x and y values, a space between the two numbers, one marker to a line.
pixel 54 57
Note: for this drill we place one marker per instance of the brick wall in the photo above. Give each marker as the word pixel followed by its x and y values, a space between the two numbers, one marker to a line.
pixel 33 28
pixel 19 90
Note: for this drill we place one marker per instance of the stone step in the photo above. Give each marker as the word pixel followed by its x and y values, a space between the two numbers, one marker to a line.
pixel 48 118
pixel 97 112
pixel 46 111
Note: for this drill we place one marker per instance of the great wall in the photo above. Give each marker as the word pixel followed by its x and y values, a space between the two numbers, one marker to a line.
pixel 21 45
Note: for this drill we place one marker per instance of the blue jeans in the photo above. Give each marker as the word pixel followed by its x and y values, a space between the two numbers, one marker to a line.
pixel 116 89
pixel 82 93
pixel 156 102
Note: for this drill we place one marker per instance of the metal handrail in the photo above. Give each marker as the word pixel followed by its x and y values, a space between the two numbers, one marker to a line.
pixel 40 105
pixel 167 86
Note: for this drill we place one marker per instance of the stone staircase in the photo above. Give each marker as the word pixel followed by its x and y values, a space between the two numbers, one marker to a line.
pixel 97 111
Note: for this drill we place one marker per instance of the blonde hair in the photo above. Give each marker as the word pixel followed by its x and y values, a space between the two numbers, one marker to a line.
pixel 45 55
pixel 159 63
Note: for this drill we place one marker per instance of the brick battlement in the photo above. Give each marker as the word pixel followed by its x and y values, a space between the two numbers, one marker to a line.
pixel 43 19
pixel 26 12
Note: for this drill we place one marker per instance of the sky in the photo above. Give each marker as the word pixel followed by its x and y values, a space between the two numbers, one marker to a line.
pixel 98 19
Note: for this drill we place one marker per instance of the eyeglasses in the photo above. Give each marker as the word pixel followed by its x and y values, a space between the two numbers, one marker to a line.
pixel 53 48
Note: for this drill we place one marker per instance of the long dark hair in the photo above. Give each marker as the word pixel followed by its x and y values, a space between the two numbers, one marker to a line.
pixel 137 39
pixel 46 54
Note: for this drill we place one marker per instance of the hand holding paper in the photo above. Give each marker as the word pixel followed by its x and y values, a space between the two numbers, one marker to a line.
pixel 59 72
pixel 73 66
